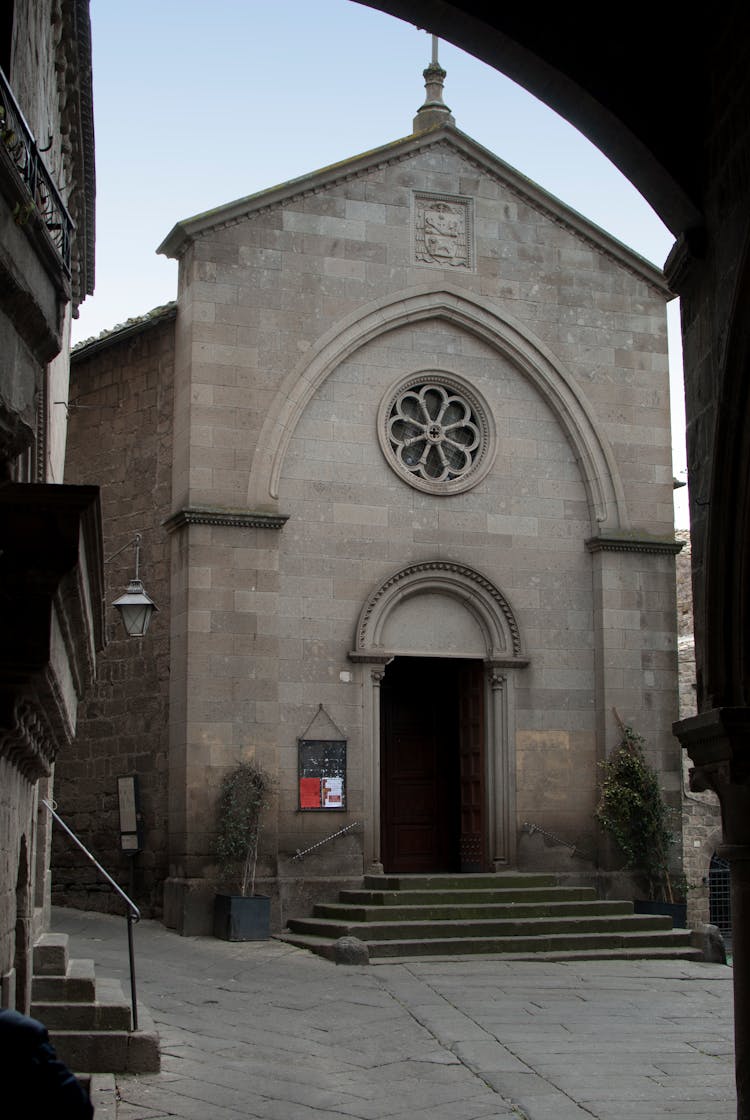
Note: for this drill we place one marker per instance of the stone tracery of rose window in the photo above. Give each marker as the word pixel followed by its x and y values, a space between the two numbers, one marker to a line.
pixel 436 433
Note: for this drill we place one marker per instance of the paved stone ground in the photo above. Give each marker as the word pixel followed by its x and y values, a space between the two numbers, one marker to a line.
pixel 266 1030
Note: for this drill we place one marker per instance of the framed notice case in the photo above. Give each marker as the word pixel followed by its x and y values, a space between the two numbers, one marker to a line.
pixel 322 774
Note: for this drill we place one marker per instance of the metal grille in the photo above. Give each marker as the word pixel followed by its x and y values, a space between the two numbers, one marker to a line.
pixel 719 897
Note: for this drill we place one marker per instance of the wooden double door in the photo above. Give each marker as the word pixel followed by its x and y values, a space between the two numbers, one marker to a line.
pixel 432 766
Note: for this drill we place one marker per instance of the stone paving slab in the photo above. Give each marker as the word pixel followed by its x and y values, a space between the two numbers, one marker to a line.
pixel 264 1031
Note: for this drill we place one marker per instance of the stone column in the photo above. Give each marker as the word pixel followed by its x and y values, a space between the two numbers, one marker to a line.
pixel 500 775
pixel 717 742
pixel 373 862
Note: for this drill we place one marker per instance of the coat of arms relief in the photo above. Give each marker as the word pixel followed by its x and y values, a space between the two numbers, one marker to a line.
pixel 442 231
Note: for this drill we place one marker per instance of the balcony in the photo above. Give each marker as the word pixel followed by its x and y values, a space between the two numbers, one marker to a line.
pixel 36 201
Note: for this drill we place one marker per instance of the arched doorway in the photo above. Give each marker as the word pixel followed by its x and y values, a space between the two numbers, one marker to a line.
pixel 441 642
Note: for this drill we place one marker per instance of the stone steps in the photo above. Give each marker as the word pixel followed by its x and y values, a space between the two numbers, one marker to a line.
pixel 467 896
pixel 109 1051
pixel 89 1019
pixel 108 1011
pixel 508 913
pixel 502 928
pixel 452 911
pixel 78 984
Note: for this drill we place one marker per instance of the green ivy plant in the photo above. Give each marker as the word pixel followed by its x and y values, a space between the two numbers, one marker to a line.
pixel 244 795
pixel 633 811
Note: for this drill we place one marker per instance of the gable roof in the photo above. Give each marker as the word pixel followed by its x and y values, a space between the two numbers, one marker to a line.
pixel 191 229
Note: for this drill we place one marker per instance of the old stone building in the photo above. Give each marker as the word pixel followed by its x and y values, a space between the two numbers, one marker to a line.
pixel 50 534
pixel 707 879
pixel 420 525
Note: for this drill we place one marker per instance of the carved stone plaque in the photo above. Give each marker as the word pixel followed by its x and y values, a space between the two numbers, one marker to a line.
pixel 443 233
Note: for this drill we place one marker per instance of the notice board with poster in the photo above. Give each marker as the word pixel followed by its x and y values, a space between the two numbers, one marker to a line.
pixel 322 774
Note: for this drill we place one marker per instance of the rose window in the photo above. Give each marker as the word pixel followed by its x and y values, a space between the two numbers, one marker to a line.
pixel 436 433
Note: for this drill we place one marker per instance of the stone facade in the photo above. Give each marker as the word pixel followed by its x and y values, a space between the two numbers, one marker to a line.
pixel 125 385
pixel 50 535
pixel 316 563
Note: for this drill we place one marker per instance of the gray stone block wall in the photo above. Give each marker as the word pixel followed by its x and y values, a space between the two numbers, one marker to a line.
pixel 122 437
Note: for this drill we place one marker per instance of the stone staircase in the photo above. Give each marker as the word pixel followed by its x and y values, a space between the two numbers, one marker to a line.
pixel 401 916
pixel 88 1018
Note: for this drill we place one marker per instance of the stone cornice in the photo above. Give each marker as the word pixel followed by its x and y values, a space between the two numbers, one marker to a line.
pixel 634 544
pixel 369 657
pixel 35 725
pixel 716 743
pixel 226 518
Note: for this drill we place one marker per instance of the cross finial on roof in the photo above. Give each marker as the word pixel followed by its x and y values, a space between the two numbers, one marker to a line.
pixel 434 111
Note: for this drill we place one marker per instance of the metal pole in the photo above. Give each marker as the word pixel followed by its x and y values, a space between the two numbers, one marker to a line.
pixel 131 954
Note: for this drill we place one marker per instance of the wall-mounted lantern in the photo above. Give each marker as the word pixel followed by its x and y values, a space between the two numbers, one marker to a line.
pixel 135 606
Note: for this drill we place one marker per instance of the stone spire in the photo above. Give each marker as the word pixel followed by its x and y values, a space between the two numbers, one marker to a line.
pixel 434 111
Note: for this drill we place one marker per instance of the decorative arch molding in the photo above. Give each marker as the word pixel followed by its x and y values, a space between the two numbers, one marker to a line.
pixel 481 599
pixel 600 476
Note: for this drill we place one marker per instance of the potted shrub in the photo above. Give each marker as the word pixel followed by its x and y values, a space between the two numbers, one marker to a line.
pixel 633 811
pixel 240 914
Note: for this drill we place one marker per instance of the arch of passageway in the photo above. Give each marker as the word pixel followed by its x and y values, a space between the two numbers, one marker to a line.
pixel 607 507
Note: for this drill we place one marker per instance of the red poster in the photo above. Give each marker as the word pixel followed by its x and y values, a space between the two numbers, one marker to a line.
pixel 309 793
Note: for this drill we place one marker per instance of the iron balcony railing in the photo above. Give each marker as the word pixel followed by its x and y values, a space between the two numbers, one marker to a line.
pixel 19 144
pixel 133 914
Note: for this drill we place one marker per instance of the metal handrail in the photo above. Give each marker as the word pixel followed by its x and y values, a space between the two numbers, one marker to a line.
pixel 133 914
pixel 301 854
pixel 575 850
pixel 18 141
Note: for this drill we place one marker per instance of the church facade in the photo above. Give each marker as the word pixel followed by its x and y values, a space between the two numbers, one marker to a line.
pixel 420 526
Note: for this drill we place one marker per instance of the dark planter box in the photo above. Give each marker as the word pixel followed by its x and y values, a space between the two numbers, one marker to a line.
pixel 242 919
pixel 677 911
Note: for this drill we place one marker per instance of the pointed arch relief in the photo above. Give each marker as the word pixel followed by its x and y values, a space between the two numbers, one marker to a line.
pixel 599 473
pixel 438 608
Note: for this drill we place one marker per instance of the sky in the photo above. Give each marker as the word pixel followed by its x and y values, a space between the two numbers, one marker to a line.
pixel 198 104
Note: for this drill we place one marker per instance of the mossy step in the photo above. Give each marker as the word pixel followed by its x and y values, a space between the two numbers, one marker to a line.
pixel 499 927
pixel 468 896
pixel 456 911
pixel 655 946
pixel 530 944
pixel 500 880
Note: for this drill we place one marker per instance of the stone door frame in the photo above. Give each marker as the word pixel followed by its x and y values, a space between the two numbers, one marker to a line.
pixel 502 657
